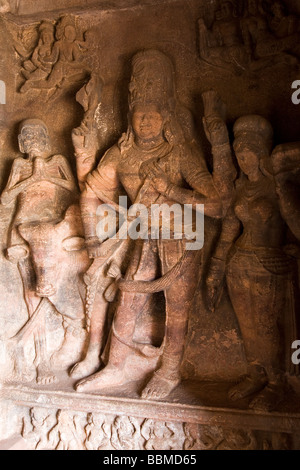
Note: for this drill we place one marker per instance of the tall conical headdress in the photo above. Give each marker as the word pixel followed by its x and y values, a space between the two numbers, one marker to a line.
pixel 152 79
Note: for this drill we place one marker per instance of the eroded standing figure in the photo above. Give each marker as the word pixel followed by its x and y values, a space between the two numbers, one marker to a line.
pixel 154 162
pixel 260 275
pixel 45 241
pixel 98 432
pixel 68 433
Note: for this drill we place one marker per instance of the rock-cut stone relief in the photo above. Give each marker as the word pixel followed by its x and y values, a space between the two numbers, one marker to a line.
pixel 45 242
pixel 70 262
pixel 58 59
pixel 258 258
pixel 153 162
pixel 245 37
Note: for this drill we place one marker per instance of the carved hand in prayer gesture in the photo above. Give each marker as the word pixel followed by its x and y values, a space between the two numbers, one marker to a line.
pixel 39 169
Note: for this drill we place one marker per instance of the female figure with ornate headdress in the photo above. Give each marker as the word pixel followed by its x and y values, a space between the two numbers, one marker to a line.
pixel 260 275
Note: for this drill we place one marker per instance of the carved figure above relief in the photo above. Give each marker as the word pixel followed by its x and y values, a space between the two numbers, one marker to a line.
pixel 58 59
pixel 249 36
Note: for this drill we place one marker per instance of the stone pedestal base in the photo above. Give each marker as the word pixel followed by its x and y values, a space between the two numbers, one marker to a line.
pixel 67 420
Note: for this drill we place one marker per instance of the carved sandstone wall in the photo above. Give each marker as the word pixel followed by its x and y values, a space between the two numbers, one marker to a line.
pixel 47 54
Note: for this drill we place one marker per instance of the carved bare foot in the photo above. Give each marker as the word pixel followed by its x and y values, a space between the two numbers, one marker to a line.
pixel 160 386
pixel 70 350
pixel 268 399
pixel 246 387
pixel 45 376
pixel 85 368
pixel 110 376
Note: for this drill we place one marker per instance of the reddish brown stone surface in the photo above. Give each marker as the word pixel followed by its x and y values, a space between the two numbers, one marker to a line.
pixel 163 102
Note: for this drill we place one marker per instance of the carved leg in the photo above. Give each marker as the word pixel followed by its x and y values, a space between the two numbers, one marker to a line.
pixel 44 374
pixel 130 305
pixel 91 363
pixel 259 300
pixel 179 298
pixel 21 368
pixel 72 345
pixel 121 345
pixel 113 374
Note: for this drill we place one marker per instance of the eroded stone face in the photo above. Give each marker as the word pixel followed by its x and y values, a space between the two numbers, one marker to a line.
pixel 172 116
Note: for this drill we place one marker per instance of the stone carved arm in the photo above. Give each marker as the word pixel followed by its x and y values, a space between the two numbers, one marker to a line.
pixel 224 172
pixel 89 204
pixel 198 177
pixel 84 137
pixel 66 180
pixel 216 271
pixel 101 187
pixel 186 196
pixel 85 153
pixel 35 59
pixel 14 186
pixel 224 175
pixel 207 190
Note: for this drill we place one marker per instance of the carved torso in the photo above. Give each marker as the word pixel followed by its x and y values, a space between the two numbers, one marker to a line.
pixel 129 168
pixel 118 172
pixel 257 208
pixel 43 200
pixel 228 32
